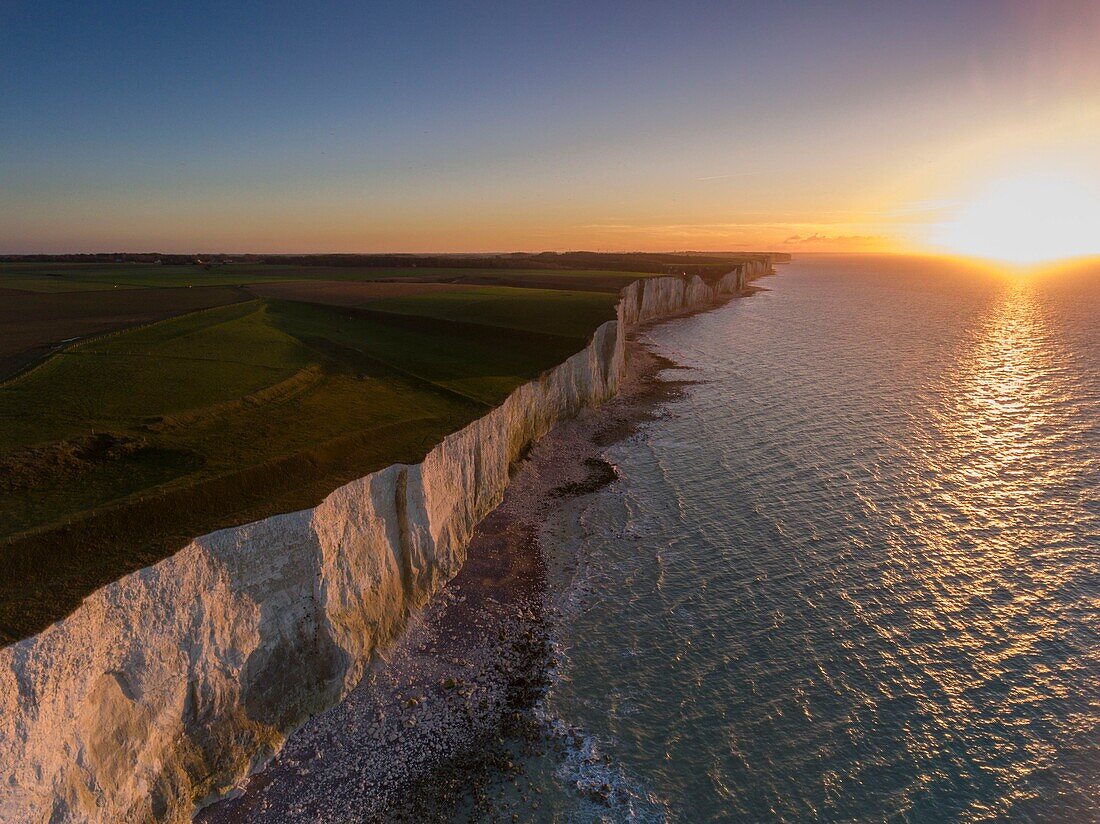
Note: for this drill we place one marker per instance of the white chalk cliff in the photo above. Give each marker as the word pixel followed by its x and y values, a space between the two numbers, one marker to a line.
pixel 171 684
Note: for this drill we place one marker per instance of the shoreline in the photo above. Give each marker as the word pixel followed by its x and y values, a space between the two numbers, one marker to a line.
pixel 449 708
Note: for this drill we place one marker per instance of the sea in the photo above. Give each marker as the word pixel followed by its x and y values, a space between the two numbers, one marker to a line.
pixel 851 573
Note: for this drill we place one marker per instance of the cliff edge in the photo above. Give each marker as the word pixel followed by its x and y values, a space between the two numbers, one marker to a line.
pixel 167 686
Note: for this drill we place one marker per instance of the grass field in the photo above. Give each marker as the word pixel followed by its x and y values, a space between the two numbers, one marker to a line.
pixel 142 405
pixel 38 277
pixel 118 449
pixel 45 305
pixel 569 313
pixel 345 292
pixel 34 323
pixel 44 277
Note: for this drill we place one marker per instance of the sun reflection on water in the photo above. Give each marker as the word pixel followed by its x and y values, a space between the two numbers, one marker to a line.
pixel 1004 395
pixel 871 594
pixel 1006 410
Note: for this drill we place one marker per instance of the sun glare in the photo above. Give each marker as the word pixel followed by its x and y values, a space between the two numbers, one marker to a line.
pixel 1026 221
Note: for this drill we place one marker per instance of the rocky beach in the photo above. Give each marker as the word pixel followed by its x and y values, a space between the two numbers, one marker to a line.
pixel 450 708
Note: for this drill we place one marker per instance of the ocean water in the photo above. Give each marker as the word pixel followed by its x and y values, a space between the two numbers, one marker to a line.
pixel 853 573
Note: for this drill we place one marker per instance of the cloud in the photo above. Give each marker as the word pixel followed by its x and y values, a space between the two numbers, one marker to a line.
pixel 833 239
pixel 806 237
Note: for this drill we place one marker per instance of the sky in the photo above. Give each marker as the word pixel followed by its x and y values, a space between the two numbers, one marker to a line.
pixel 484 126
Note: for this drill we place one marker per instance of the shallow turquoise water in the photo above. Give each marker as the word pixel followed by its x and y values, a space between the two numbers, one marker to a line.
pixel 854 573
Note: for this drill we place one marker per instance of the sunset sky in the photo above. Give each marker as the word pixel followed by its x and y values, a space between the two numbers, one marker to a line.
pixel 430 126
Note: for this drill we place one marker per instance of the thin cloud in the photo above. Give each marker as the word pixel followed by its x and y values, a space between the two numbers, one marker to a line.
pixel 724 177
pixel 817 238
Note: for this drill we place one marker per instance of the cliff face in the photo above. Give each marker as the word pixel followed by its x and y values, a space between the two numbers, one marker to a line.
pixel 170 684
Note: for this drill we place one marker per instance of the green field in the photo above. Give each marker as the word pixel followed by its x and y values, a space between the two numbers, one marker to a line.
pixel 62 277
pixel 144 404
pixel 143 438
pixel 45 305
pixel 569 313
pixel 34 324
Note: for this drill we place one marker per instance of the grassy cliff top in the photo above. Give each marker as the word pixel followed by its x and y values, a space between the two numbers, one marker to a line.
pixel 212 404
pixel 143 404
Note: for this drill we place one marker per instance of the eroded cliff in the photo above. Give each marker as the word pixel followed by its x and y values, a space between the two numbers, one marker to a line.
pixel 170 684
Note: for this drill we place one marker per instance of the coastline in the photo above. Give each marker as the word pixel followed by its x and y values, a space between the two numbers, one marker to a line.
pixel 449 707
pixel 205 663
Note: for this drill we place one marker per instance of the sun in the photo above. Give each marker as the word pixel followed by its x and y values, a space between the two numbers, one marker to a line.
pixel 1025 220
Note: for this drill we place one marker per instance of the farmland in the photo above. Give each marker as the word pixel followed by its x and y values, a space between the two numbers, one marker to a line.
pixel 32 324
pixel 43 306
pixel 148 436
pixel 145 405
pixel 102 277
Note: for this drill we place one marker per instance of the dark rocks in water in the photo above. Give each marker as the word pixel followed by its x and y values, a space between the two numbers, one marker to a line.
pixel 600 474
